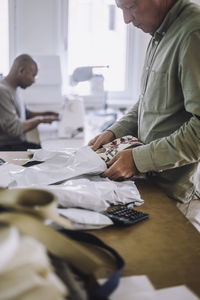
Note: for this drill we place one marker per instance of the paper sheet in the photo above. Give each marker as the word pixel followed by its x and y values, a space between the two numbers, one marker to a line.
pixel 131 285
pixel 173 293
pixel 140 288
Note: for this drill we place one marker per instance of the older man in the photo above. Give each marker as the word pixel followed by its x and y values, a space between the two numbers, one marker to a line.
pixel 167 116
pixel 15 118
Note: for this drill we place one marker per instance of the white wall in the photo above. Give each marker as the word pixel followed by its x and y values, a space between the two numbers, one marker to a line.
pixel 37 27
pixel 37 30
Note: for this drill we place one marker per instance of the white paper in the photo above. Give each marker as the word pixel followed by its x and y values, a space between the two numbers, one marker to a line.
pixel 173 293
pixel 140 288
pixel 129 285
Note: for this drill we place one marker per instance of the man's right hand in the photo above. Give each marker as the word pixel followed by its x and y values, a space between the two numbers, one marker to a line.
pixel 102 139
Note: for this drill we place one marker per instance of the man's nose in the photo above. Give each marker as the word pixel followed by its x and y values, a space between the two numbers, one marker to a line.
pixel 127 16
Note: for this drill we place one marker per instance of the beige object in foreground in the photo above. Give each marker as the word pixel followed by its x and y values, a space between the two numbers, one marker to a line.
pixel 28 209
pixel 25 270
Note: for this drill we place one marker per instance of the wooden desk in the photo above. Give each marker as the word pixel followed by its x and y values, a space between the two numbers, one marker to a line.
pixel 166 247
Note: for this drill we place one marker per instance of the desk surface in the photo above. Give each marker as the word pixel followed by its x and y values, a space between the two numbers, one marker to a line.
pixel 166 247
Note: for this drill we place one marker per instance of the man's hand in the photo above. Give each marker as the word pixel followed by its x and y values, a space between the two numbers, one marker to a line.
pixel 121 166
pixel 50 113
pixel 48 119
pixel 101 139
pixel 35 121
pixel 33 114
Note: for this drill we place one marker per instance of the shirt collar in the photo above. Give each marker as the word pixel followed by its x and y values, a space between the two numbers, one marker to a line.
pixel 171 16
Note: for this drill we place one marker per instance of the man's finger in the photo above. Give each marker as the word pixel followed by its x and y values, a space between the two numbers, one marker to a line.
pixel 111 172
pixel 110 162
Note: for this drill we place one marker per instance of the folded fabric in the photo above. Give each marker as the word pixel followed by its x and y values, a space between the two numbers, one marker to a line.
pixel 108 151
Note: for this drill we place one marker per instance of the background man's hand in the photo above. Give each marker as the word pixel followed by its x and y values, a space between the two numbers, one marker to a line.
pixel 121 166
pixel 35 121
pixel 50 113
pixel 101 139
pixel 48 118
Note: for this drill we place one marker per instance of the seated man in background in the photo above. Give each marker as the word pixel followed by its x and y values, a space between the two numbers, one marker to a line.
pixel 15 118
pixel 166 118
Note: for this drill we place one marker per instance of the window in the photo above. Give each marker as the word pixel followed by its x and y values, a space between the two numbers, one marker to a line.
pixel 4 38
pixel 97 36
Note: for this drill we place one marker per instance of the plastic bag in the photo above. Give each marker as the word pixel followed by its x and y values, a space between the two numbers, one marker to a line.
pixel 59 166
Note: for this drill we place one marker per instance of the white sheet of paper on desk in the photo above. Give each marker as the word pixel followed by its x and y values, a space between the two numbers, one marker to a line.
pixel 173 293
pixel 130 289
pixel 130 285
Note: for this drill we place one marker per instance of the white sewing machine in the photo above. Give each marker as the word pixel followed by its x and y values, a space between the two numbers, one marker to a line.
pixel 72 115
pixel 71 123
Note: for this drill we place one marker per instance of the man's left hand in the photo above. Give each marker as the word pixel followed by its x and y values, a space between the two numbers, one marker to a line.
pixel 121 166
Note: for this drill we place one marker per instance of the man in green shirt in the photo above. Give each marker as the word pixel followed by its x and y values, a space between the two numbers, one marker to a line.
pixel 166 117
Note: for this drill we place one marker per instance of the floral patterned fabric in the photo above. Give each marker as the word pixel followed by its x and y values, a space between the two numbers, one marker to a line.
pixel 108 151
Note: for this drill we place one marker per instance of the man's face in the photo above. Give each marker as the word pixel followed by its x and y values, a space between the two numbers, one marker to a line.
pixel 144 14
pixel 27 76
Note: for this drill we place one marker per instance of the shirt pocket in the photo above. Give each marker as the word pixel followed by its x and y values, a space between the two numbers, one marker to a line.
pixel 156 98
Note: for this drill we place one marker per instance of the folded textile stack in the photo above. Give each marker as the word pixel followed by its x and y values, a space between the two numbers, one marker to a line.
pixel 25 270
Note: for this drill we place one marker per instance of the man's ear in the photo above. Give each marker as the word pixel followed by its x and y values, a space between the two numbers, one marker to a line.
pixel 21 70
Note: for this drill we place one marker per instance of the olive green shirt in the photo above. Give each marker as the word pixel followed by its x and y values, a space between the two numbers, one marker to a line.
pixel 167 116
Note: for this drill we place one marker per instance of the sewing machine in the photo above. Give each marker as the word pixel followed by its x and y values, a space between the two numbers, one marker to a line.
pixel 71 124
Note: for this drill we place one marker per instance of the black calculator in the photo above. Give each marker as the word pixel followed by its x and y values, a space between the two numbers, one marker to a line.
pixel 122 215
